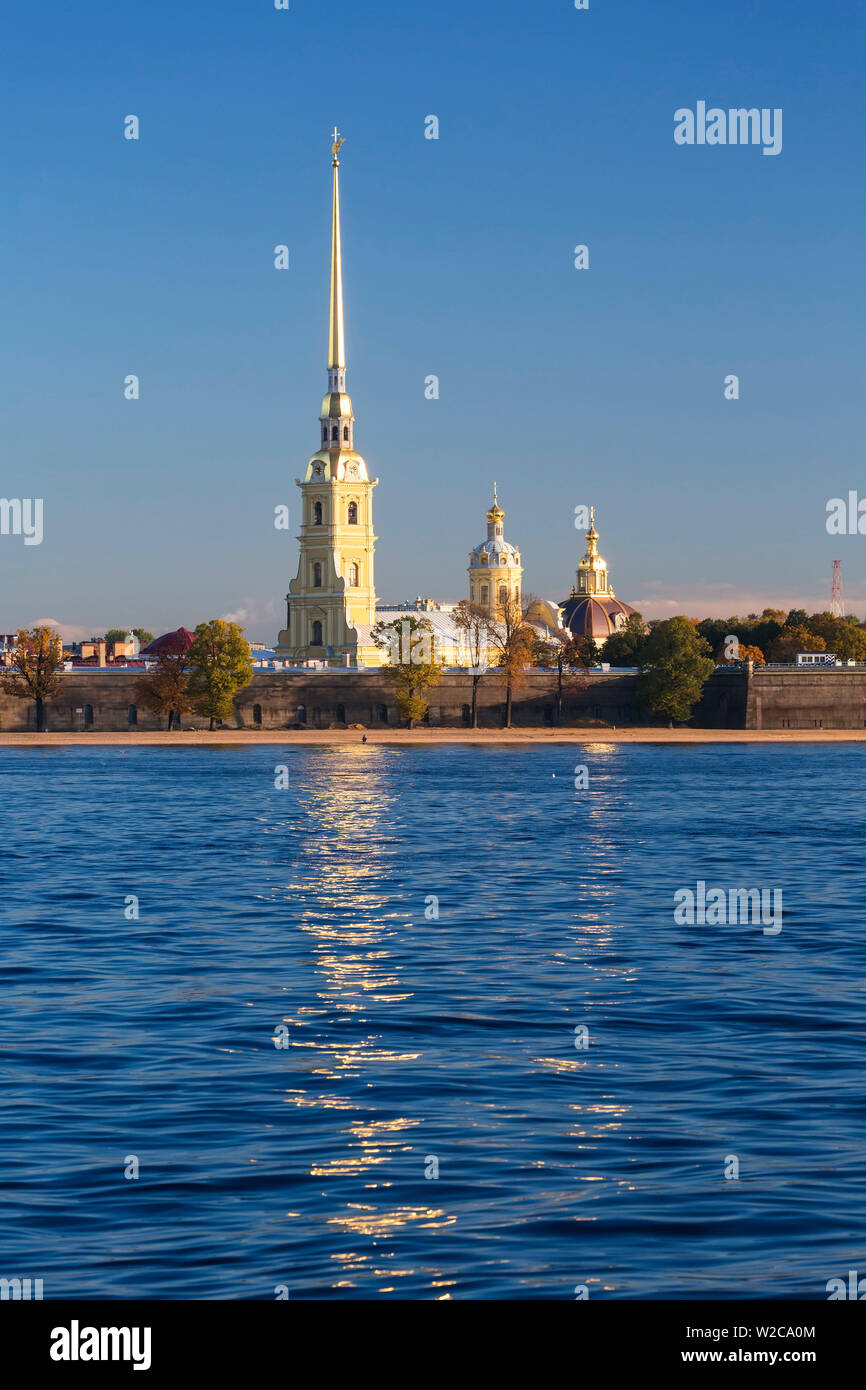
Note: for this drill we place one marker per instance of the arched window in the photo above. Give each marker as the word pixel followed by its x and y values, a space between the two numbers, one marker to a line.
pixel 335 434
pixel 317 634
pixel 382 714
pixel 88 716
pixel 317 575
pixel 345 431
pixel 485 593
pixel 353 513
pixel 467 715
pixel 354 575
pixel 341 714
pixel 257 714
pixel 132 715
pixel 503 594
pixel 324 434
pixel 302 714
pixel 317 513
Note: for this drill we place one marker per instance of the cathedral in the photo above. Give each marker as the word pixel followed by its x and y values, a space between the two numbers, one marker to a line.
pixel 331 604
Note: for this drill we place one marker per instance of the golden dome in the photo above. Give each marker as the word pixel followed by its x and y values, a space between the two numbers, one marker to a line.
pixel 336 405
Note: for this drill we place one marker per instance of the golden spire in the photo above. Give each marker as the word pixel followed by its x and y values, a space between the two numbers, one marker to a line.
pixel 592 536
pixel 336 341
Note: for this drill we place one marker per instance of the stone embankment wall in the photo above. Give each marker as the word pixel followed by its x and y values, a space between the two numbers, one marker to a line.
pixel 108 700
pixel 734 699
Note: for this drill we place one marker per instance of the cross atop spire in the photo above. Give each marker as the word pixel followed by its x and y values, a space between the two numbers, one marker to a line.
pixel 335 148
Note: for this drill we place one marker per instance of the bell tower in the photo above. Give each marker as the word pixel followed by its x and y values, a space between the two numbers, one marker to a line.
pixel 334 589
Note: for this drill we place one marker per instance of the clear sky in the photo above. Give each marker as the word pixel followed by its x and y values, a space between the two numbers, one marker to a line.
pixel 601 386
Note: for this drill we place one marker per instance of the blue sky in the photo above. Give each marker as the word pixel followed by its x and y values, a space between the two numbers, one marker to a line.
pixel 602 386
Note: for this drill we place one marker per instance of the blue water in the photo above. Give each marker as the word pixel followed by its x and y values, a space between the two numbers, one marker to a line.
pixel 413 1038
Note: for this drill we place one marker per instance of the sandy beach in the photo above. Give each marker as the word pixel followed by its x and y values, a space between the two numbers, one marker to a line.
pixel 398 737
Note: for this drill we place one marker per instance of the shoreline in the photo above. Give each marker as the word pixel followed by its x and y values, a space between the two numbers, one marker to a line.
pixel 158 738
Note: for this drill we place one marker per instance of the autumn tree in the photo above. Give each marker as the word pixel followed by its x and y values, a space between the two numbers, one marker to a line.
pixel 165 689
pixel 471 622
pixel 413 666
pixel 676 663
pixel 511 637
pixel 791 641
pixel 36 660
pixel 742 651
pixel 221 665
pixel 753 654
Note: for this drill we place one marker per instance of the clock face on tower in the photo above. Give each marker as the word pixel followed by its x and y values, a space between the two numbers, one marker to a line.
pixel 318 470
pixel 352 470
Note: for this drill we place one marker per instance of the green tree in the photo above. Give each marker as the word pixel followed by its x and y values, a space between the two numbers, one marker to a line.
pixel 412 666
pixel 221 665
pixel 165 689
pixel 36 660
pixel 676 662
pixel 625 647
pixel 117 634
pixel 797 617
pixel 841 637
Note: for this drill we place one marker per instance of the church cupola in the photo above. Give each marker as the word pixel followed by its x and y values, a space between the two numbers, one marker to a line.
pixel 592 572
pixel 495 571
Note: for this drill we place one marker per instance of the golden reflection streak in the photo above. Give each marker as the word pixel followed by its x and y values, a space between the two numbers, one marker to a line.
pixel 349 804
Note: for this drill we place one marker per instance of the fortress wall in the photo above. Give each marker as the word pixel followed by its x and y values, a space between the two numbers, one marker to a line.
pixel 326 695
pixel 831 699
